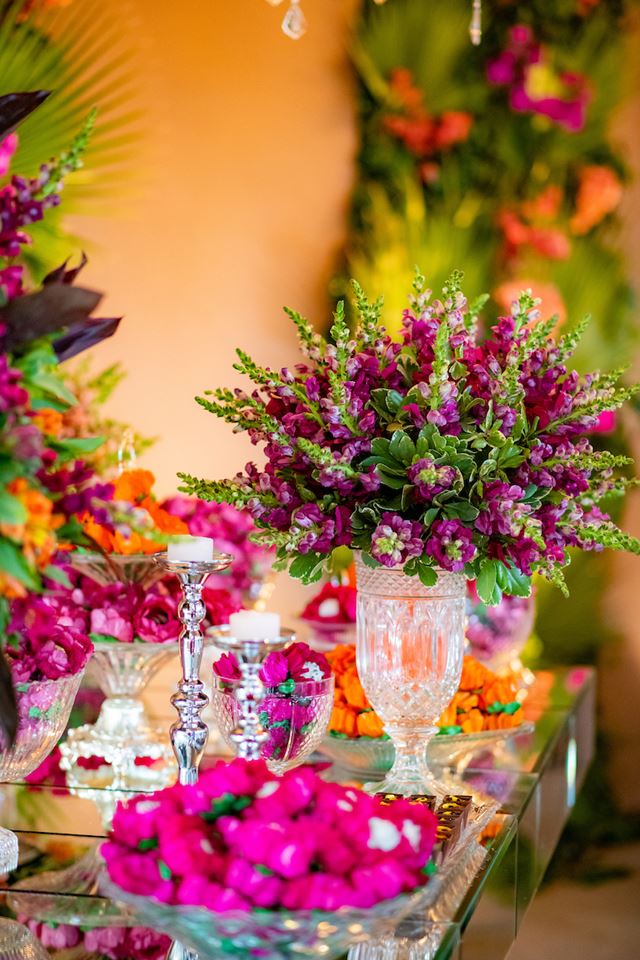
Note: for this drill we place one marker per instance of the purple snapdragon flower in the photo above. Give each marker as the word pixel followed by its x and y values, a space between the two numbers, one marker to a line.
pixel 395 540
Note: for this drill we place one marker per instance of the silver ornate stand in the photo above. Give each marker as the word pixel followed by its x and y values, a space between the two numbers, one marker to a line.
pixel 189 735
pixel 250 735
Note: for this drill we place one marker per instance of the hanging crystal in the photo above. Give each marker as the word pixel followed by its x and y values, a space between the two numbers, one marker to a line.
pixel 127 452
pixel 294 23
pixel 475 27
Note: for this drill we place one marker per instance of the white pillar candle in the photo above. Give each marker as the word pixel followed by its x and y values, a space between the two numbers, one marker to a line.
pixel 191 549
pixel 252 625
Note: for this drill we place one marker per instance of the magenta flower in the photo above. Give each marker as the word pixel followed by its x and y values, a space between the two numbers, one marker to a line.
pixel 275 669
pixel 227 668
pixel 430 479
pixel 107 622
pixel 333 604
pixel 450 544
pixel 156 619
pixel 395 540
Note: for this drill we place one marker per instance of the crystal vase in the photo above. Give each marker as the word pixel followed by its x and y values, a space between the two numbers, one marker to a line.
pixel 497 635
pixel 134 754
pixel 409 651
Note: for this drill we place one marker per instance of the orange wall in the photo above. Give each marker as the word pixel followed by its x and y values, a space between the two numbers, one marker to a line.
pixel 248 164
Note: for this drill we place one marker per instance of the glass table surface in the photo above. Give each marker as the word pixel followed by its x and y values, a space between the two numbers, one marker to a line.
pixel 533 777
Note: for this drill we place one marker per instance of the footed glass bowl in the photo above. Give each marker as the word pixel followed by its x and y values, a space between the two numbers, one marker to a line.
pixel 43 709
pixel 371 758
pixel 273 934
pixel 296 722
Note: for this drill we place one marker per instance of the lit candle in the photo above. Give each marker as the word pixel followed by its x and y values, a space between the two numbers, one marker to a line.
pixel 191 549
pixel 252 625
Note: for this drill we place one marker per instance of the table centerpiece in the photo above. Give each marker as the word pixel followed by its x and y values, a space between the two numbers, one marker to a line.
pixel 439 457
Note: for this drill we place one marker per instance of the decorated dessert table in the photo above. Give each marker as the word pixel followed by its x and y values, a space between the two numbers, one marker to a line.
pixel 475 913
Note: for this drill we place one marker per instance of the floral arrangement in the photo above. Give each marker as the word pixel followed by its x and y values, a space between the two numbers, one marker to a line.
pixel 129 612
pixel 497 632
pixel 483 701
pixel 288 710
pixel 141 526
pixel 244 839
pixel 232 530
pixel 43 481
pixel 441 451
pixel 43 642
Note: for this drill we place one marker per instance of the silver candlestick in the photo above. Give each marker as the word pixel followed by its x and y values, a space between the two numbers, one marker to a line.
pixel 190 733
pixel 249 736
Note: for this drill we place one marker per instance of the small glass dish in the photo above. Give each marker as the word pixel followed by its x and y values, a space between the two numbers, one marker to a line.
pixel 296 722
pixel 371 758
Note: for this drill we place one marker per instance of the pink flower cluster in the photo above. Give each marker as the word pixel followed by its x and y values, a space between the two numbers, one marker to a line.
pixel 502 630
pixel 128 612
pixel 335 603
pixel 293 679
pixel 231 529
pixel 111 943
pixel 533 86
pixel 243 839
pixel 44 642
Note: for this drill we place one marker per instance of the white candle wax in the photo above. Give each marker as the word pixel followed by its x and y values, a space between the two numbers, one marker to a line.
pixel 191 549
pixel 252 625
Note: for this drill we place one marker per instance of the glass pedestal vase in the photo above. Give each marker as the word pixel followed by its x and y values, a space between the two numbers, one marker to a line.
pixel 497 635
pixel 123 750
pixel 409 651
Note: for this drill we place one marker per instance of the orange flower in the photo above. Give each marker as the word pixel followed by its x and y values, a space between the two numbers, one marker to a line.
pixel 133 485
pixel 500 689
pixel 344 720
pixel 164 521
pixel 369 724
pixel 599 193
pixel 49 421
pixel 474 674
pixel 354 694
pixel 552 302
pixel 472 722
pixel 36 535
pixel 341 659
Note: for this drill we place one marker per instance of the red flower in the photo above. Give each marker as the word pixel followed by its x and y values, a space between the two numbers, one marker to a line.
pixel 334 604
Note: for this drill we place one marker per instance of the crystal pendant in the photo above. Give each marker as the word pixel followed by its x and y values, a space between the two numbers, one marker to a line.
pixel 475 27
pixel 294 23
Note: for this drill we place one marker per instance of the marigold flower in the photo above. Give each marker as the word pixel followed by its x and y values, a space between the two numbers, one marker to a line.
pixel 599 193
pixel 49 421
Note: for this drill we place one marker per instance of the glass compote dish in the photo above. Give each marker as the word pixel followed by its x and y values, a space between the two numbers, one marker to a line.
pixel 135 754
pixel 295 722
pixel 496 635
pixel 410 649
pixel 44 707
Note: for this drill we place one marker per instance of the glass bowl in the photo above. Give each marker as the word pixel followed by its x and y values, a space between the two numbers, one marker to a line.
pixel 371 758
pixel 44 707
pixel 296 722
pixel 273 934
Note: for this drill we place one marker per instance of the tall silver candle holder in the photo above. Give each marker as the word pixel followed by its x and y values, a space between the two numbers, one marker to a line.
pixel 190 733
pixel 249 735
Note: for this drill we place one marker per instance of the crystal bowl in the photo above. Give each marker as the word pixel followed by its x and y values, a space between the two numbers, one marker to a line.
pixel 107 568
pixel 44 707
pixel 271 934
pixel 296 722
pixel 370 758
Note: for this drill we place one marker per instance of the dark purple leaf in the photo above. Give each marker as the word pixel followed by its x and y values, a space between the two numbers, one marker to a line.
pixel 57 306
pixel 62 275
pixel 81 336
pixel 16 107
pixel 8 707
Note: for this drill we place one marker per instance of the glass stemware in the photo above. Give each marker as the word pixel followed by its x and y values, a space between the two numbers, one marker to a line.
pixel 409 651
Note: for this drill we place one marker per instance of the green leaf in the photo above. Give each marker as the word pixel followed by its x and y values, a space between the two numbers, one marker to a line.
pixel 306 567
pixel 58 575
pixel 76 445
pixel 13 562
pixel 390 479
pixel 369 561
pixel 427 575
pixel 54 387
pixel 402 447
pixel 486 582
pixel 463 510
pixel 12 510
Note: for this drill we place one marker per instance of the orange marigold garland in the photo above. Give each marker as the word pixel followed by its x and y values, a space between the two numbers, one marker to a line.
pixel 483 702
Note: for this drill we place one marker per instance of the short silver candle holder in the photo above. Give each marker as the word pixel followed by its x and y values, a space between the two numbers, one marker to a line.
pixel 189 735
pixel 249 736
